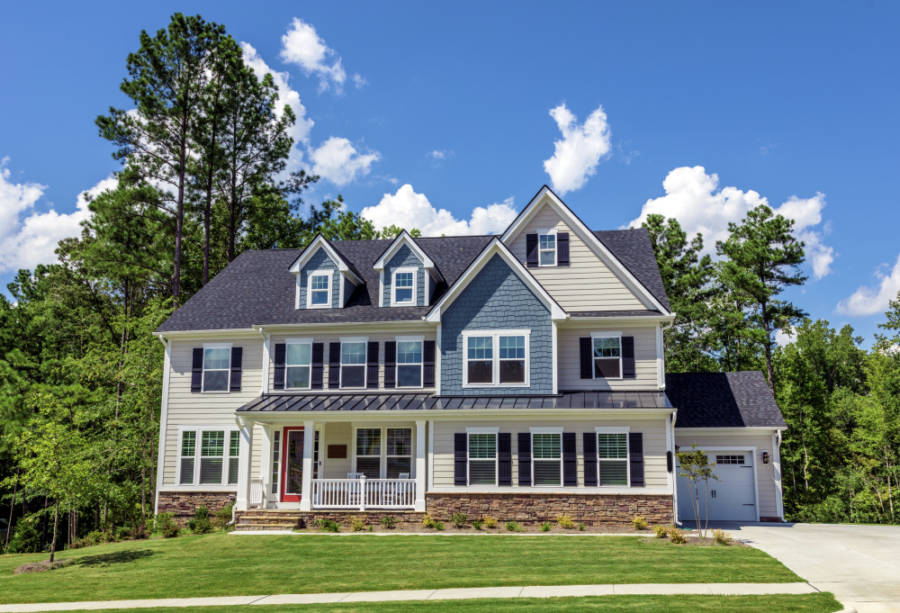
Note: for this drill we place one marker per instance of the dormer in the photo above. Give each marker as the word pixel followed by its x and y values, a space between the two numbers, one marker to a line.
pixel 408 276
pixel 324 279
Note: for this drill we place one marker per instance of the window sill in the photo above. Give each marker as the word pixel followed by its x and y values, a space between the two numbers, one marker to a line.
pixel 487 386
pixel 319 306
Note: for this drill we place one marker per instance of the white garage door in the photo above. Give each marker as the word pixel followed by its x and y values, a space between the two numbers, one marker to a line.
pixel 731 498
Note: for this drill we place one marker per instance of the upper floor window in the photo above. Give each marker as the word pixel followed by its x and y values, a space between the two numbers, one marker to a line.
pixel 404 287
pixel 297 363
pixel 607 356
pixel 496 358
pixel 409 363
pixel 353 364
pixel 216 368
pixel 318 295
pixel 547 249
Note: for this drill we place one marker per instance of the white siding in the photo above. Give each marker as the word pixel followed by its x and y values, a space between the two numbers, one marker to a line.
pixel 765 473
pixel 569 356
pixel 337 434
pixel 587 284
pixel 653 431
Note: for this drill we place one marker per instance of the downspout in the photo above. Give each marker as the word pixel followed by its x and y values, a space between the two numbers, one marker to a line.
pixel 674 472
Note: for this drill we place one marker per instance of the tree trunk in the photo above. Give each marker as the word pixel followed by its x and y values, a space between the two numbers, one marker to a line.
pixel 179 214
pixel 55 524
pixel 44 523
pixel 12 508
pixel 232 221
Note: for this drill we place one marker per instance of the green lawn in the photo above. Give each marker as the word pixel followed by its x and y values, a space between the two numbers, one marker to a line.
pixel 225 565
pixel 807 603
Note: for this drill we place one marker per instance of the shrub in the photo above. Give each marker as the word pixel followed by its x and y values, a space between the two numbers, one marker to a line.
pixel 200 523
pixel 565 521
pixel 428 521
pixel 138 533
pixel 123 533
pixel 326 525
pixel 514 526
pixel 721 537
pixel 477 524
pixel 388 522
pixel 581 526
pixel 223 516
pixel 357 524
pixel 96 537
pixel 165 524
pixel 639 522
pixel 490 522
pixel 545 527
pixel 660 531
pixel 676 536
pixel 459 519
pixel 438 526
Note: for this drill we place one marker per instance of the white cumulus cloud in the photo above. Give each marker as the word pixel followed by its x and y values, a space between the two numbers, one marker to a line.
pixel 577 155
pixel 695 199
pixel 410 210
pixel 303 46
pixel 27 240
pixel 338 161
pixel 868 300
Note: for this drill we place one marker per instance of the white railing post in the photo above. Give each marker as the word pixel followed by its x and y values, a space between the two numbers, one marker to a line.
pixel 363 494
pixel 306 487
pixel 421 469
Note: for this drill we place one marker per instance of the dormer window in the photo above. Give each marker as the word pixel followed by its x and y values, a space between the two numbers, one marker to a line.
pixel 547 247
pixel 318 295
pixel 404 287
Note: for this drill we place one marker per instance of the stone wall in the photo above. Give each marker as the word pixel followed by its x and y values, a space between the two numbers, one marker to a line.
pixel 256 519
pixel 591 509
pixel 183 504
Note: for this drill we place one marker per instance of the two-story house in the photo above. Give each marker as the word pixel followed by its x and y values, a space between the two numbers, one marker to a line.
pixel 521 376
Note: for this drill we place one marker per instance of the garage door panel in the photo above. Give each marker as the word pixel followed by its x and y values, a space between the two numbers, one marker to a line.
pixel 730 498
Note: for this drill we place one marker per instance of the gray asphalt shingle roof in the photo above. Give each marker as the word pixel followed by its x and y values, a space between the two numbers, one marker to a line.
pixel 257 288
pixel 723 400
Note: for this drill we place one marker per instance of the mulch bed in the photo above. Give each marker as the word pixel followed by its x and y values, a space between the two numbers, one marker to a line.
pixel 38 567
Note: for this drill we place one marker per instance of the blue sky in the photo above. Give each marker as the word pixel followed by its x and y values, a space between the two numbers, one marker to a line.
pixel 429 113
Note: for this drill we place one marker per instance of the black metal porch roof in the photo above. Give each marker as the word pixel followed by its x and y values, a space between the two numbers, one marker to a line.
pixel 429 402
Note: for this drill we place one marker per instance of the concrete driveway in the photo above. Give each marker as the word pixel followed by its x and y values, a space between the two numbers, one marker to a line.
pixel 860 565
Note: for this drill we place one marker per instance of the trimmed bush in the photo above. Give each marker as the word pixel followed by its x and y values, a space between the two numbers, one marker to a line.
pixel 459 519
pixel 661 532
pixel 490 522
pixel 639 522
pixel 565 522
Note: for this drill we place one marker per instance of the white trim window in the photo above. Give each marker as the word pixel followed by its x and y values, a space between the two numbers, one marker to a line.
pixel 383 461
pixel 546 459
pixel 209 456
pixel 298 364
pixel 276 459
pixel 368 452
pixel 216 367
pixel 353 363
pixel 496 358
pixel 403 287
pixel 547 248
pixel 409 362
pixel 318 290
pixel 607 355
pixel 482 458
pixel 612 457
pixel 398 454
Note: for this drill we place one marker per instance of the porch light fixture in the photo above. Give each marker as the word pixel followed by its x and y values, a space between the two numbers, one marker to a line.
pixel 765 457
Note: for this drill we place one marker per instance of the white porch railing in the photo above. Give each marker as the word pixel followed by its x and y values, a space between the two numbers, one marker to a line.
pixel 256 492
pixel 363 493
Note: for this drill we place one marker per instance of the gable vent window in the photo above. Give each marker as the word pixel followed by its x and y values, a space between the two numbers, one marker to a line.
pixel 216 369
pixel 404 287
pixel 353 364
pixel 547 245
pixel 319 293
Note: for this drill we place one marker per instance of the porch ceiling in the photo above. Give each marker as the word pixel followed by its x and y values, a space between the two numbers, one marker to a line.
pixel 430 402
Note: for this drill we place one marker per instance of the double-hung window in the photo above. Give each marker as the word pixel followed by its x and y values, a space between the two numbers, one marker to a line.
pixel 353 364
pixel 209 456
pixel 399 452
pixel 318 294
pixel 546 456
pixel 607 355
pixel 394 456
pixel 612 456
pixel 368 452
pixel 409 363
pixel 547 249
pixel 297 364
pixel 403 292
pixel 216 368
pixel 482 458
pixel 496 358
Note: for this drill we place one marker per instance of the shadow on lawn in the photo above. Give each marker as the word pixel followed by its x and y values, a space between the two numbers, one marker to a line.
pixel 109 559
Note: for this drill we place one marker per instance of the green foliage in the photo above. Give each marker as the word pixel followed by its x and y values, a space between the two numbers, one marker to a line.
pixel 565 521
pixel 514 526
pixel 661 532
pixel 676 536
pixel 222 517
pixel 388 522
pixel 326 525
pixel 546 526
pixel 490 522
pixel 200 522
pixel 697 468
pixel 639 522
pixel 459 520
pixel 165 524
pixel 477 523
pixel 439 526
pixel 357 524
pixel 581 526
pixel 721 537
pixel 26 538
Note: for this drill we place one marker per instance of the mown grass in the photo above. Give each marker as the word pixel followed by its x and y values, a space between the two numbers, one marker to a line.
pixel 226 565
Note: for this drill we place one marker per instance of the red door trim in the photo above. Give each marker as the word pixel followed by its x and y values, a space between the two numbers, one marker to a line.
pixel 285 497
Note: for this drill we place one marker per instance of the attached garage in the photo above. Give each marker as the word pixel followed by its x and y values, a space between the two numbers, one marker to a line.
pixel 731 498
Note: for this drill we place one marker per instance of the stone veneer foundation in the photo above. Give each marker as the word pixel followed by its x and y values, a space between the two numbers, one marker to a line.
pixel 591 509
pixel 183 504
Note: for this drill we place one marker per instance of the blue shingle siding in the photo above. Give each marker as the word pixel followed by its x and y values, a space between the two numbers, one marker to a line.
pixel 404 258
pixel 496 299
pixel 321 261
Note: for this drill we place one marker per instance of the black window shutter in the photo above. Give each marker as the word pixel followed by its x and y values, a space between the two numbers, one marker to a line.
pixel 280 349
pixel 531 248
pixel 524 458
pixel 504 458
pixel 334 366
pixel 636 458
pixel 669 461
pixel 197 370
pixel 237 358
pixel 570 459
pixel 562 248
pixel 590 459
pixel 428 364
pixel 460 459
pixel 587 362
pixel 628 369
pixel 318 369
pixel 372 366
pixel 390 364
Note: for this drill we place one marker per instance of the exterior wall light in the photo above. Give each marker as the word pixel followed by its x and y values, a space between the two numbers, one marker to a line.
pixel 765 457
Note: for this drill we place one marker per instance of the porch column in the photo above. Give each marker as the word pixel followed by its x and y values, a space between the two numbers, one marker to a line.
pixel 265 464
pixel 308 441
pixel 421 469
pixel 245 453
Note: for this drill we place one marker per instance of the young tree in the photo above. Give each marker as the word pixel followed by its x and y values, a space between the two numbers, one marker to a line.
pixel 696 467
pixel 764 259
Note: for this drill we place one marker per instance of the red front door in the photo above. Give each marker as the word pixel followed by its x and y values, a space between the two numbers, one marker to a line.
pixel 292 465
